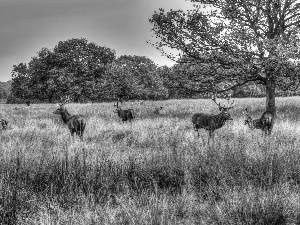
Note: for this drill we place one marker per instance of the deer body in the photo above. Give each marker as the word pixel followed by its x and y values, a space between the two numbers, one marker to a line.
pixel 212 122
pixel 76 123
pixel 264 123
pixel 209 122
pixel 125 115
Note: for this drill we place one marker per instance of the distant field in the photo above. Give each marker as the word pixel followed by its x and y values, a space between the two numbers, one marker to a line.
pixel 153 171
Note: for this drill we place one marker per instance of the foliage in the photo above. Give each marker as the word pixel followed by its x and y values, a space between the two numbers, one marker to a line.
pixel 86 62
pixel 20 81
pixel 136 78
pixel 5 88
pixel 71 68
pixel 235 42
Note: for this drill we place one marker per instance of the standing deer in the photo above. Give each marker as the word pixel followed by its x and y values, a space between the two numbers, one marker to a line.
pixel 212 122
pixel 157 110
pixel 124 114
pixel 76 123
pixel 264 123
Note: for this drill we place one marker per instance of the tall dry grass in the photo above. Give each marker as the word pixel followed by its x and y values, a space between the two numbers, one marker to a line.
pixel 153 171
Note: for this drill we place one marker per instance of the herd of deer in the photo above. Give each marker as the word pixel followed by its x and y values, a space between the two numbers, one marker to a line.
pixel 209 122
pixel 213 122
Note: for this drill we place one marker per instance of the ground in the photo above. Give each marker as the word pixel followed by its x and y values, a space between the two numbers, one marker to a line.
pixel 154 170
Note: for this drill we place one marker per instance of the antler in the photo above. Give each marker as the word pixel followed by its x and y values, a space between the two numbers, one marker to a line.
pixel 246 110
pixel 213 97
pixel 231 104
pixel 116 104
pixel 66 101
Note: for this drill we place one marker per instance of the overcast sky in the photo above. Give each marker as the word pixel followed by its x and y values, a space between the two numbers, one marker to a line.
pixel 28 25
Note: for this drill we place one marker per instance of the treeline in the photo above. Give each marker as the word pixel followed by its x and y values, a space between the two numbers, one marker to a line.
pixel 88 72
pixel 5 89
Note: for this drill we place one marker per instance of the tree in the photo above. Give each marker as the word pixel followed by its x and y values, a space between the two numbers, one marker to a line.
pixel 20 81
pixel 5 89
pixel 39 75
pixel 87 62
pixel 136 77
pixel 235 42
pixel 71 68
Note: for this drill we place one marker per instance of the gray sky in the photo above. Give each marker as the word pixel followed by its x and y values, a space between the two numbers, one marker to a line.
pixel 28 25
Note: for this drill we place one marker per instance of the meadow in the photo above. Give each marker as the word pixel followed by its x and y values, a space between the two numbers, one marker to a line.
pixel 153 171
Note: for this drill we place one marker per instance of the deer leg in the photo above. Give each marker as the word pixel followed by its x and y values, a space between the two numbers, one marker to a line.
pixel 209 136
pixel 72 135
pixel 213 137
pixel 195 129
pixel 270 128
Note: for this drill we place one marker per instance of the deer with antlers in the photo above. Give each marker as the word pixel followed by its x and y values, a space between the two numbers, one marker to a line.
pixel 264 123
pixel 124 114
pixel 211 122
pixel 76 123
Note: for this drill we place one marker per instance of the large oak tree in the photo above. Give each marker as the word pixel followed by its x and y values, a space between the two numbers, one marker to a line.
pixel 235 42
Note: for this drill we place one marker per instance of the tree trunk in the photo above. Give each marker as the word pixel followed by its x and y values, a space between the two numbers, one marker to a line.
pixel 270 94
pixel 270 98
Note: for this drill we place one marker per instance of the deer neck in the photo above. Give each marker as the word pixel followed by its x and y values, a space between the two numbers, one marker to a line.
pixel 251 125
pixel 221 117
pixel 257 124
pixel 65 115
pixel 220 120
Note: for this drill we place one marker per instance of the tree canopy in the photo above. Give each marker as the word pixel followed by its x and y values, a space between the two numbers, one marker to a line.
pixel 86 71
pixel 235 42
pixel 72 68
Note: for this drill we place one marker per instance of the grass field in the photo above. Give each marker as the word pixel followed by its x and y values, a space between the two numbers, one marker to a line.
pixel 153 171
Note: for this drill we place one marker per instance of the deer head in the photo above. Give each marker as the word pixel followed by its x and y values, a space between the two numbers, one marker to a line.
pixel 116 104
pixel 61 108
pixel 28 103
pixel 224 110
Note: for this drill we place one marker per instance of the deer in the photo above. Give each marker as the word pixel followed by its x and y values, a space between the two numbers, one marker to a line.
pixel 264 123
pixel 28 104
pixel 124 114
pixel 76 123
pixel 4 124
pixel 212 122
pixel 141 102
pixel 157 110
